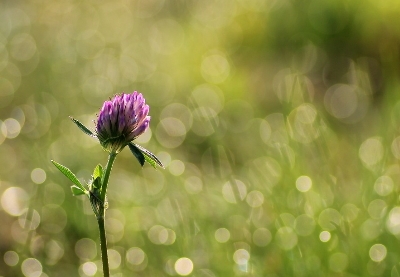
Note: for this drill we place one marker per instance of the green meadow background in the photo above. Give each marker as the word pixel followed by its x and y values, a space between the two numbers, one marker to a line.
pixel 278 122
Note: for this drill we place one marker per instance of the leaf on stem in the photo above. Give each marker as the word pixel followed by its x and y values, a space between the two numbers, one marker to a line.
pixel 142 154
pixel 77 191
pixel 83 127
pixel 97 172
pixel 136 152
pixel 68 173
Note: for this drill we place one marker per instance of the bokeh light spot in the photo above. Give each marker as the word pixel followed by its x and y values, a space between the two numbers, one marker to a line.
pixel 176 167
pixel 115 229
pixel 396 147
pixel 114 258
pixel 29 219
pixel 286 238
pixel 302 122
pixel 349 212
pixel 255 198
pixel 55 251
pixel 393 221
pixel 11 258
pixel 384 185
pixel 166 36
pixel 170 132
pixel 215 68
pixel 180 111
pixel 54 218
pixel 208 96
pixel 13 128
pixel 22 47
pixel 89 268
pixel 370 229
pixel 31 268
pixel 53 194
pixel 3 131
pixel 377 208
pixel 304 225
pixel 222 235
pixel 193 185
pixel 38 176
pixel 262 237
pixel 14 201
pixel 303 183
pixel 86 249
pixel 377 252
pixel 205 121
pixel 135 256
pixel 234 191
pixel 341 100
pixel 371 152
pixel 241 256
pixel 183 266
pixel 158 234
pixel 329 219
pixel 265 131
pixel 325 236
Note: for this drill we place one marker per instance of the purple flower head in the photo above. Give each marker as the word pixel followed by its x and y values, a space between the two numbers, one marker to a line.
pixel 121 120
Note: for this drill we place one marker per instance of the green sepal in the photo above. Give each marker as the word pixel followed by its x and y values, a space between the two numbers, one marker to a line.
pixel 97 172
pixel 146 154
pixel 82 127
pixel 68 173
pixel 77 191
pixel 136 152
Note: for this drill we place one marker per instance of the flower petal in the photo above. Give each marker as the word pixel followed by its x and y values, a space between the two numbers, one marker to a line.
pixel 122 119
pixel 139 130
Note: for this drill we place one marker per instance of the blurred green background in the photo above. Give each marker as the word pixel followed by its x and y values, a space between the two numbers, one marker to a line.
pixel 278 122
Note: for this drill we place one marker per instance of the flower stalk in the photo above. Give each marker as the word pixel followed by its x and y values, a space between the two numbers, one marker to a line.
pixel 104 182
pixel 121 120
pixel 103 244
pixel 101 216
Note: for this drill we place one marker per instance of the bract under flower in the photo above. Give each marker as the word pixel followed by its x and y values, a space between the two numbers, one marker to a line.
pixel 121 120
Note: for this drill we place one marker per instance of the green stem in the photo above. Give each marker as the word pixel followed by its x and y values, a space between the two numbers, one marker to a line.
pixel 103 245
pixel 101 215
pixel 104 185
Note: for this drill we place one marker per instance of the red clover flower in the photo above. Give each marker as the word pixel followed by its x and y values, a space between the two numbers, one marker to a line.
pixel 121 120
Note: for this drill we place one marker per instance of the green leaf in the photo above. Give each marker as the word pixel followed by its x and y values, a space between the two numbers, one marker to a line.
pixel 71 176
pixel 97 172
pixel 77 191
pixel 148 156
pixel 96 183
pixel 83 127
pixel 136 152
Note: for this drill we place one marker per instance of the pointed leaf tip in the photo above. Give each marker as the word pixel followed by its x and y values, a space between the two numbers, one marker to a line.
pixel 82 127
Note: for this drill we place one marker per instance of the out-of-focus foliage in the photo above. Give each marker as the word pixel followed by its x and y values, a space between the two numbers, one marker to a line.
pixel 277 120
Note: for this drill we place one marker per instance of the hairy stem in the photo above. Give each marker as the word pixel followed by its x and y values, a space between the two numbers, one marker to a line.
pixel 106 176
pixel 101 215
pixel 103 245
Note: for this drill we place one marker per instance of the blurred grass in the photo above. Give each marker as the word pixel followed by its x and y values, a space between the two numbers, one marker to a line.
pixel 278 123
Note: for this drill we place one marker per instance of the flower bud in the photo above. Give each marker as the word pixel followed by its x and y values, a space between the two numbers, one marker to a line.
pixel 121 120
